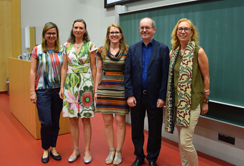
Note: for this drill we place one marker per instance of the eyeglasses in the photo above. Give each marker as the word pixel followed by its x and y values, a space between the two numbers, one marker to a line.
pixel 146 28
pixel 186 29
pixel 51 34
pixel 114 33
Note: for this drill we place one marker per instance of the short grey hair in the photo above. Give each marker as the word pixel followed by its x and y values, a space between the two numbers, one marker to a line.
pixel 153 22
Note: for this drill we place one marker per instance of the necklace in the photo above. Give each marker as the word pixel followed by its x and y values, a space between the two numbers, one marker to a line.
pixel 78 46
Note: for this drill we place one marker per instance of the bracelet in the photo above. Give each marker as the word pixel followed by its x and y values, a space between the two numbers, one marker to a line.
pixel 32 93
pixel 207 92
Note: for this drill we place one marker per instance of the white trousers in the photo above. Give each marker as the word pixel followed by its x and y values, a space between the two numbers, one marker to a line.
pixel 187 150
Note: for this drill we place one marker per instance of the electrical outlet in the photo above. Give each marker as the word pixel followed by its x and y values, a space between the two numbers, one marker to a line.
pixel 226 138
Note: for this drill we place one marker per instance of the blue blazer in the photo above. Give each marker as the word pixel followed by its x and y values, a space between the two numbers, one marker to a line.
pixel 157 74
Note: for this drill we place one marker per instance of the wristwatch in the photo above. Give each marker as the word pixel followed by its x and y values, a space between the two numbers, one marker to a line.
pixel 206 101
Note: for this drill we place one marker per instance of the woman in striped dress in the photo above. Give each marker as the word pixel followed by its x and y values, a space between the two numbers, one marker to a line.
pixel 109 89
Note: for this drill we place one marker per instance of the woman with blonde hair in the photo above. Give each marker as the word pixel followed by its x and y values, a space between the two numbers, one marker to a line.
pixel 78 74
pixel 109 92
pixel 188 88
pixel 46 63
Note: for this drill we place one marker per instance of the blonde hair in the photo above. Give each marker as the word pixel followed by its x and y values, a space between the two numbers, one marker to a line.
pixel 72 36
pixel 122 42
pixel 46 27
pixel 175 41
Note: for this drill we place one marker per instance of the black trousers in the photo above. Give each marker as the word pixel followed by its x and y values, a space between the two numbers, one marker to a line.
pixel 49 106
pixel 155 119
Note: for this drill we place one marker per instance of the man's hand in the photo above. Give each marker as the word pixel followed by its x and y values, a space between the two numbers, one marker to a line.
pixel 160 103
pixel 131 101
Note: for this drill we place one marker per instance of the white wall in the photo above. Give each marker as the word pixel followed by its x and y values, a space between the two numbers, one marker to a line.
pixel 35 13
pixel 63 12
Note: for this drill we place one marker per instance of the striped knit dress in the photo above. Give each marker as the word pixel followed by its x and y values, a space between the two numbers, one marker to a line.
pixel 111 92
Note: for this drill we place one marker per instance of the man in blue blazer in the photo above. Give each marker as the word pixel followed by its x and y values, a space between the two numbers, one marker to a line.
pixel 146 74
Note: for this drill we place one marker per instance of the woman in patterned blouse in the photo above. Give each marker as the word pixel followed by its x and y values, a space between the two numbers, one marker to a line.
pixel 46 62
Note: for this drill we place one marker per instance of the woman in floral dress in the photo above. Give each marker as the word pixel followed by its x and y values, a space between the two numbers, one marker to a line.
pixel 78 74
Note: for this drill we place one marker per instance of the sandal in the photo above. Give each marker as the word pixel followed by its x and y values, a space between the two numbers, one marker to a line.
pixel 118 158
pixel 110 157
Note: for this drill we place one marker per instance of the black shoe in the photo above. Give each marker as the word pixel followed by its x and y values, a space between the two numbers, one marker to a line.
pixel 58 157
pixel 45 160
pixel 152 163
pixel 138 162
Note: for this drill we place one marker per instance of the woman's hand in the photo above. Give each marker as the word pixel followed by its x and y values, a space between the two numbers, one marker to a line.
pixel 33 97
pixel 95 97
pixel 61 93
pixel 204 108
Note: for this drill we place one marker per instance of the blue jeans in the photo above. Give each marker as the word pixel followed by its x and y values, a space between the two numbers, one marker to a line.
pixel 49 106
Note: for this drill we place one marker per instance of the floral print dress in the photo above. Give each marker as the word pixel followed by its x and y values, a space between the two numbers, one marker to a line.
pixel 78 86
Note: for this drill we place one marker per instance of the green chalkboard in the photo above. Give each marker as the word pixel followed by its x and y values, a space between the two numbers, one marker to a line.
pixel 221 30
pixel 220 25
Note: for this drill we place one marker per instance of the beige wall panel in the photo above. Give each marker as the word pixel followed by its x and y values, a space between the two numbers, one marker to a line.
pixel 16 30
pixel 32 38
pixel 5 41
pixel 20 105
pixel 10 38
